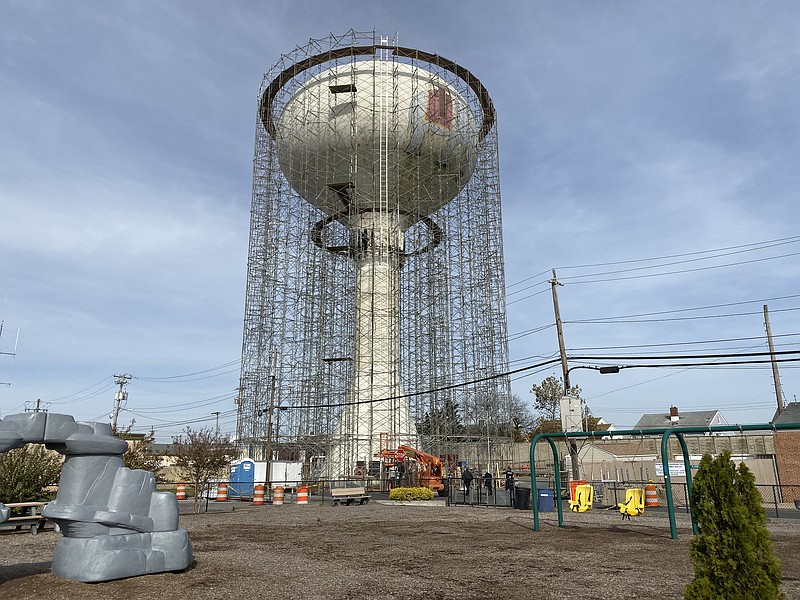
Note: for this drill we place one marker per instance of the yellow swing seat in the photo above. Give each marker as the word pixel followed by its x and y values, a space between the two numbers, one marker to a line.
pixel 584 496
pixel 634 503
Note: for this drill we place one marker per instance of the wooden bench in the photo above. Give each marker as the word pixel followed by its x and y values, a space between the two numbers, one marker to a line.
pixel 32 517
pixel 349 495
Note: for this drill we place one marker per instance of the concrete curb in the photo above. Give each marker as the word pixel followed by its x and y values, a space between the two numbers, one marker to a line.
pixel 413 502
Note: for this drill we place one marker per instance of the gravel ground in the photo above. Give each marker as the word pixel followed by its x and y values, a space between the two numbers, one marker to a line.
pixel 399 551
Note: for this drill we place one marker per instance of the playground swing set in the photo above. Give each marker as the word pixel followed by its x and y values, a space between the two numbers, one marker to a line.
pixel 582 497
pixel 635 498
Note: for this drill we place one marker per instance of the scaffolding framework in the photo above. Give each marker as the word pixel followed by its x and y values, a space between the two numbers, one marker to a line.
pixel 375 303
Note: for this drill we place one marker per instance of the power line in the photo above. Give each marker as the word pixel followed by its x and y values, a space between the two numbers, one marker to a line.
pixel 753 246
pixel 516 336
pixel 679 272
pixel 721 340
pixel 202 372
pixel 103 381
pixel 521 281
pixel 189 405
pixel 681 356
pixel 710 306
pixel 679 262
pixel 618 320
pixel 529 295
pixel 165 423
pixel 751 356
pixel 726 250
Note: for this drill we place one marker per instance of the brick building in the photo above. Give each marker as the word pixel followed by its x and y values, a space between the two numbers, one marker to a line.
pixel 787 452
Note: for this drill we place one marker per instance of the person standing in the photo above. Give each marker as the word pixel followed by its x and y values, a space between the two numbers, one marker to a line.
pixel 467 477
pixel 509 475
pixel 487 481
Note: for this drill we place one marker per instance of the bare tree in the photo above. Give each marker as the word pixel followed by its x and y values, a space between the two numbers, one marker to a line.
pixel 548 401
pixel 201 455
pixel 140 454
pixel 521 419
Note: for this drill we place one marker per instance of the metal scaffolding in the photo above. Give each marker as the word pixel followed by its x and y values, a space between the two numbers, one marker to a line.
pixel 375 303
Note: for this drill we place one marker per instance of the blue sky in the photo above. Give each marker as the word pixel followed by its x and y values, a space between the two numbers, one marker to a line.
pixel 629 130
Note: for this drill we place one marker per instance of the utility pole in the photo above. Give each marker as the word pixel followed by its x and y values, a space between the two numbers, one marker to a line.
pixel 120 398
pixel 560 331
pixel 775 375
pixel 216 414
pixel 573 446
pixel 270 408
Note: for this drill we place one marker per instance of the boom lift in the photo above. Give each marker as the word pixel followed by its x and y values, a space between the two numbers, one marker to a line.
pixel 430 470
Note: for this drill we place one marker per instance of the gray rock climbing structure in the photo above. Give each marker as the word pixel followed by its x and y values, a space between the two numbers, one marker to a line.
pixel 115 524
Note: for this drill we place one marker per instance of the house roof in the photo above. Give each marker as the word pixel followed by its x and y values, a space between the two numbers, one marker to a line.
pixel 162 449
pixel 790 414
pixel 696 418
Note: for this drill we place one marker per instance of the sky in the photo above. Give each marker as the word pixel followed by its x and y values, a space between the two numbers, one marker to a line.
pixel 648 153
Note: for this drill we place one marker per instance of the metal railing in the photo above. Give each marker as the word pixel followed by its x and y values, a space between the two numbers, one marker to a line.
pixel 780 501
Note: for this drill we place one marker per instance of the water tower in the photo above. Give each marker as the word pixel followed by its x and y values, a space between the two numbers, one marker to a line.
pixel 375 289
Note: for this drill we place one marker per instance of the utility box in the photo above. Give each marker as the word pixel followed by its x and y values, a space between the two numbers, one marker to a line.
pixel 571 414
pixel 286 473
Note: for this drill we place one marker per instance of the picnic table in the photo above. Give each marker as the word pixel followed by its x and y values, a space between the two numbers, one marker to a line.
pixel 349 495
pixel 32 516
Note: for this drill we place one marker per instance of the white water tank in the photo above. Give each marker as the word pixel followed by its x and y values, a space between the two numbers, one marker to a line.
pixel 377 135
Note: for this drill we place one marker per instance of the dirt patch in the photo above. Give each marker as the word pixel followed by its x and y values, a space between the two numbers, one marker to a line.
pixel 402 552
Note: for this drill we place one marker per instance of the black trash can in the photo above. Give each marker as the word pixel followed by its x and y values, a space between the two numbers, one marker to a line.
pixel 522 498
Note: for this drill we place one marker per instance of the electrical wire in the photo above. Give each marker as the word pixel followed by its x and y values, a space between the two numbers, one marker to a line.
pixel 708 307
pixel 612 320
pixel 570 280
pixel 722 340
pixel 718 252
pixel 202 372
pixel 189 405
pixel 63 399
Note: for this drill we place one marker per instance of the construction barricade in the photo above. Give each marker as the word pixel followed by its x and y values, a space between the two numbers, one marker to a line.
pixel 302 495
pixel 650 495
pixel 222 491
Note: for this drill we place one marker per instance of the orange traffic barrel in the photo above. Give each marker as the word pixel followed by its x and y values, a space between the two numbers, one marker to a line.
pixel 277 495
pixel 222 491
pixel 258 495
pixel 650 495
pixel 574 484
pixel 302 495
pixel 180 491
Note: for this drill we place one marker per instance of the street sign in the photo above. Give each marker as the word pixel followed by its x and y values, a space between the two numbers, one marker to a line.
pixel 400 455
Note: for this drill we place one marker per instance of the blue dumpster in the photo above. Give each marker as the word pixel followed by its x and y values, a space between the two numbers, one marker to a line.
pixel 546 503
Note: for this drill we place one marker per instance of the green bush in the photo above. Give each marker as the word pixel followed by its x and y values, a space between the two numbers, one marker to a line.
pixel 410 493
pixel 27 472
pixel 732 553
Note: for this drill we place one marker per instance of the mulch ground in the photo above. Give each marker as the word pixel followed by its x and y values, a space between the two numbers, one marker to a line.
pixel 399 552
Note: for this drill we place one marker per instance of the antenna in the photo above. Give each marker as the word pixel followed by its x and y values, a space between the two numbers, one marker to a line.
pixel 11 354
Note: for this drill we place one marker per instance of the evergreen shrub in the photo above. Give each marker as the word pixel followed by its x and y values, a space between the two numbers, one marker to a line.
pixel 732 553
pixel 410 493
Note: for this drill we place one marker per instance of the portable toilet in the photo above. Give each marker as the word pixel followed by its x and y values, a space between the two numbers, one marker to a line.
pixel 241 479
